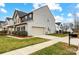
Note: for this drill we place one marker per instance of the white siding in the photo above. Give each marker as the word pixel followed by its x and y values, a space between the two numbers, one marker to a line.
pixel 58 27
pixel 11 22
pixel 29 26
pixel 43 18
pixel 1 29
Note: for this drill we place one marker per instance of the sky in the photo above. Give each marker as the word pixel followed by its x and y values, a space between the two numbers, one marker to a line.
pixel 63 12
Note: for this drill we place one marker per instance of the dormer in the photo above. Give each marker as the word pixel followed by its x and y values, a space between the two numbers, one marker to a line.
pixel 17 16
pixel 27 17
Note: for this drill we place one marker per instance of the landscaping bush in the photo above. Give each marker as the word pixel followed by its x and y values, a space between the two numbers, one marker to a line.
pixel 64 32
pixel 74 35
pixel 4 32
pixel 14 33
pixel 20 33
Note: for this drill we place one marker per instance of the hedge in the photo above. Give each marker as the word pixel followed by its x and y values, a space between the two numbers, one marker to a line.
pixel 20 33
pixel 4 32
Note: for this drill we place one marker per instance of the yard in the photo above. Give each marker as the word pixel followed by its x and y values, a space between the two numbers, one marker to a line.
pixel 58 35
pixel 8 44
pixel 58 49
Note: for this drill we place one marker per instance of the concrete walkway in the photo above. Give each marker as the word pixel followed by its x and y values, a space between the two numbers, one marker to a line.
pixel 74 41
pixel 33 48
pixel 30 49
pixel 47 36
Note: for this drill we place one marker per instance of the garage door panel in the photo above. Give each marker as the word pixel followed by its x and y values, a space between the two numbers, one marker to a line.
pixel 37 31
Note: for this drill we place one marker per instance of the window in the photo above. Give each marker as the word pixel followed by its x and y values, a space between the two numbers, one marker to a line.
pixel 14 22
pixel 15 28
pixel 23 28
pixel 30 15
pixel 22 19
pixel 18 20
pixel 48 29
pixel 18 28
pixel 25 17
pixel 15 15
pixel 47 20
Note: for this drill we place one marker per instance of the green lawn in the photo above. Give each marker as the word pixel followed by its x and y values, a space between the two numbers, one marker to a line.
pixel 57 49
pixel 8 44
pixel 58 35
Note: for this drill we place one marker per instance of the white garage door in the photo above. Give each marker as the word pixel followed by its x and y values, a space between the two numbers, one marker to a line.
pixel 37 30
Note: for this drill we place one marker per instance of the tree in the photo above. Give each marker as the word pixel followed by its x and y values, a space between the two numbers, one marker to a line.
pixel 71 25
pixel 76 22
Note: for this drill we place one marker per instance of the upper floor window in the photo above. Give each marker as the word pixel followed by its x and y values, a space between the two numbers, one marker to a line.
pixel 14 22
pixel 48 29
pixel 47 20
pixel 30 15
pixel 25 17
pixel 18 20
pixel 15 16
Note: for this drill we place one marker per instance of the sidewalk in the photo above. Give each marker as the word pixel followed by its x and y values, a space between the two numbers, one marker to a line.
pixel 73 41
pixel 33 48
pixel 30 49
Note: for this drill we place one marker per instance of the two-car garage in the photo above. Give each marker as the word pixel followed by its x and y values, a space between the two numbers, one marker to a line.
pixel 37 30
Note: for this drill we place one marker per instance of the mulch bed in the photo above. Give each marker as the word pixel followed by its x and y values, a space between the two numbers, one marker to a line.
pixel 24 36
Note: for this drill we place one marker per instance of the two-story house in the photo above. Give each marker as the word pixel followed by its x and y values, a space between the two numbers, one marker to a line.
pixel 8 25
pixel 1 23
pixel 37 22
pixel 58 27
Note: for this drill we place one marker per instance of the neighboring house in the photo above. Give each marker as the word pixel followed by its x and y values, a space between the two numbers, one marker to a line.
pixel 1 22
pixel 58 27
pixel 8 25
pixel 67 26
pixel 37 22
pixel 69 30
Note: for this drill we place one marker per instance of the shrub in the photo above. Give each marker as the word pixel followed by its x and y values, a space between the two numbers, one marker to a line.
pixel 65 32
pixel 4 32
pixel 20 33
pixel 14 33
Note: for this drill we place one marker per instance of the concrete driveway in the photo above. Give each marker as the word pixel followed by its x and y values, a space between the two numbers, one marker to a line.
pixel 48 37
pixel 74 41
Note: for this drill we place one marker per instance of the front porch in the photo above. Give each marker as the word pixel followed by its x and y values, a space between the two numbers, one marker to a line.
pixel 10 29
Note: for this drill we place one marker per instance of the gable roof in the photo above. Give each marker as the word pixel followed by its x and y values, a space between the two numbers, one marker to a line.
pixel 2 22
pixel 8 18
pixel 20 13
pixel 58 23
pixel 40 8
pixel 36 10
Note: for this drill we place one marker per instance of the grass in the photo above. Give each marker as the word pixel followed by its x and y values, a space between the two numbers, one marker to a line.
pixel 58 35
pixel 8 44
pixel 59 48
